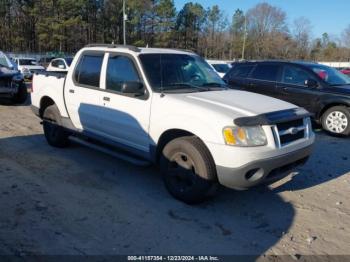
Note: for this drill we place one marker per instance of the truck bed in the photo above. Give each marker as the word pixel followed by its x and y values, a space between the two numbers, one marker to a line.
pixel 52 73
pixel 49 85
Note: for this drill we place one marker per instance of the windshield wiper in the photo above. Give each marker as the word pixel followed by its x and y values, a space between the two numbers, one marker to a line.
pixel 216 85
pixel 182 86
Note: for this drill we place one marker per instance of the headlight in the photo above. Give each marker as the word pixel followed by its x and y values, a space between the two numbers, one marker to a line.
pixel 244 136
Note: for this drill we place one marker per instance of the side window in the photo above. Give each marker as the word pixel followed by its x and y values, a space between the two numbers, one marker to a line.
pixel 120 69
pixel 295 75
pixel 266 72
pixel 241 71
pixel 88 70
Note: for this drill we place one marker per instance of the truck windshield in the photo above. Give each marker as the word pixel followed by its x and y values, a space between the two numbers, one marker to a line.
pixel 331 75
pixel 180 73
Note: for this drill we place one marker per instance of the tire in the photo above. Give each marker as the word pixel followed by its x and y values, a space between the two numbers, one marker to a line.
pixel 336 121
pixel 22 95
pixel 55 134
pixel 188 170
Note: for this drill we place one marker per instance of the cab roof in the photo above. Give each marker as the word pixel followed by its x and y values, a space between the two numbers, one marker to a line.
pixel 137 50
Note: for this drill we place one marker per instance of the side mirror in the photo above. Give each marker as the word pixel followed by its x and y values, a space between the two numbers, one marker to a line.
pixel 311 83
pixel 135 88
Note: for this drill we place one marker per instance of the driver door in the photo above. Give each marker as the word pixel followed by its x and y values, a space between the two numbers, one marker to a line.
pixel 124 117
pixel 292 87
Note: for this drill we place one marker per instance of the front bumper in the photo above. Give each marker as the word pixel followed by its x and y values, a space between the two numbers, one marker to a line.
pixel 262 171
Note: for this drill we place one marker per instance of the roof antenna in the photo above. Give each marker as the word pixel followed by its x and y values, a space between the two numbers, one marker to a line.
pixel 147 46
pixel 112 42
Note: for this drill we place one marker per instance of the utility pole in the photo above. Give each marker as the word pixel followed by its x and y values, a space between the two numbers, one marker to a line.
pixel 244 37
pixel 124 23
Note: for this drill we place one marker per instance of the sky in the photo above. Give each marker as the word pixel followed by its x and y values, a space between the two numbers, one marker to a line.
pixel 325 16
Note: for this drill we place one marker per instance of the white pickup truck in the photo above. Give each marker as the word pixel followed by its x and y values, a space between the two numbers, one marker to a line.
pixel 169 107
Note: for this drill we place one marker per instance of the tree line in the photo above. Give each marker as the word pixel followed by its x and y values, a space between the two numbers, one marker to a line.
pixel 262 31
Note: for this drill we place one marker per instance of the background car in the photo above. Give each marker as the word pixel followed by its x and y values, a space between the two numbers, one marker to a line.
pixel 345 71
pixel 28 66
pixel 60 64
pixel 221 67
pixel 322 90
pixel 12 85
pixel 45 60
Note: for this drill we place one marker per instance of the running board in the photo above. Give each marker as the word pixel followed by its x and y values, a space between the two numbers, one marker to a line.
pixel 119 155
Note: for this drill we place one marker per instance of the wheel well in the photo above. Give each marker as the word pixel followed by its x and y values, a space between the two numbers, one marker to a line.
pixel 45 103
pixel 167 136
pixel 324 109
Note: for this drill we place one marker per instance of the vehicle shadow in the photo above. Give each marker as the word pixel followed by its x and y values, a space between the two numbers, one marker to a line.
pixel 328 161
pixel 80 201
pixel 7 102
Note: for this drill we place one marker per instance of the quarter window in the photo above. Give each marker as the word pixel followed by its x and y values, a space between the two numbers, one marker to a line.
pixel 89 70
pixel 120 70
pixel 266 72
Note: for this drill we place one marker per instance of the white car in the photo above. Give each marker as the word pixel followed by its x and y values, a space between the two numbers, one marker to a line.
pixel 221 67
pixel 167 106
pixel 60 64
pixel 28 66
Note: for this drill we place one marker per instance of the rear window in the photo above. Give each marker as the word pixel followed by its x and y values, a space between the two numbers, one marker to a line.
pixel 88 70
pixel 241 70
pixel 266 72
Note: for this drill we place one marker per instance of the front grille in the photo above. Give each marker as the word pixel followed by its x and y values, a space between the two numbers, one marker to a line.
pixel 287 125
pixel 291 131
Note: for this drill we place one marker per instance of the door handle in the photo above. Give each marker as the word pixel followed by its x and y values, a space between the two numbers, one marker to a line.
pixel 106 99
pixel 71 91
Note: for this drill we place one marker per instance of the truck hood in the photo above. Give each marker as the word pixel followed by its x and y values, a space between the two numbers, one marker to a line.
pixel 237 103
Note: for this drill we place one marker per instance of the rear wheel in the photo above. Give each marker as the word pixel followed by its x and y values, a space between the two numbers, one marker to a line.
pixel 55 134
pixel 188 170
pixel 336 120
pixel 21 95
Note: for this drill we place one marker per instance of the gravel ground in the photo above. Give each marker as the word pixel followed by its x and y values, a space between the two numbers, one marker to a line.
pixel 80 201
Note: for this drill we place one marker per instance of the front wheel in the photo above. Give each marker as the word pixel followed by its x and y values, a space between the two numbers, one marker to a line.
pixel 21 96
pixel 336 121
pixel 188 170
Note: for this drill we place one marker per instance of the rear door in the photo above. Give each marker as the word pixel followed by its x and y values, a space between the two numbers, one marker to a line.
pixel 263 79
pixel 291 87
pixel 82 92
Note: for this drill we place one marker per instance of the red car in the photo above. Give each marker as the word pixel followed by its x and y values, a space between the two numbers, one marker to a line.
pixel 345 71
